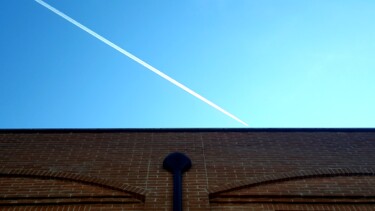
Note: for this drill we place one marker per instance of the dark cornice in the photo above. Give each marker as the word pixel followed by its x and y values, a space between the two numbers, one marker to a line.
pixel 180 130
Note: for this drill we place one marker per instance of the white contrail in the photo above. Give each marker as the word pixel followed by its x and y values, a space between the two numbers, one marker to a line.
pixel 138 60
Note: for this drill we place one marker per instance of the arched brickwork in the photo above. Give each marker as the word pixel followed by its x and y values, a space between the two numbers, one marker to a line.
pixel 294 175
pixel 228 165
pixel 135 192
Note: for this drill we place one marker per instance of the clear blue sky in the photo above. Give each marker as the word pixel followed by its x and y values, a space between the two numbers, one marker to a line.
pixel 272 63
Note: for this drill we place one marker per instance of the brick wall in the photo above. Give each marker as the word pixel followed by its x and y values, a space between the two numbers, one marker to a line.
pixel 233 169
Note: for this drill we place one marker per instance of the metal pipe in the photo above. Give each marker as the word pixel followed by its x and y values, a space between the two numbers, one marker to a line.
pixel 177 163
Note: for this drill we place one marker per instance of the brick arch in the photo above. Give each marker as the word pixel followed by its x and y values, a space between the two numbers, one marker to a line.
pixel 294 175
pixel 136 192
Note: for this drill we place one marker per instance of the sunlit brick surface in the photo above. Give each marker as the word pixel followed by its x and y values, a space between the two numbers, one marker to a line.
pixel 232 169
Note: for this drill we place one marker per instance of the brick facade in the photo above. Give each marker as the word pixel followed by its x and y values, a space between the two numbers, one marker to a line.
pixel 233 169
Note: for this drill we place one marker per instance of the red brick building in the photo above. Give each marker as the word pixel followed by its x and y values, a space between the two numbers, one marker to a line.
pixel 232 169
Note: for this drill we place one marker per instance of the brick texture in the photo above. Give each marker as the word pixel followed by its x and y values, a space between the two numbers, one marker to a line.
pixel 238 169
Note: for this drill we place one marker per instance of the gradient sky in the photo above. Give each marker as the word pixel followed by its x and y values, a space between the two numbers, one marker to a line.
pixel 272 63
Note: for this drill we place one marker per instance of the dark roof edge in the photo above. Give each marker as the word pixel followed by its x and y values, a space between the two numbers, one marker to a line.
pixel 164 130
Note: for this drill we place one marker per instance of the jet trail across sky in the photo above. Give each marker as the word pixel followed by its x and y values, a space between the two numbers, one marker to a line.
pixel 138 60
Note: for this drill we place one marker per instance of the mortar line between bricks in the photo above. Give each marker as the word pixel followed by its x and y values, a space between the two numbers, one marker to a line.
pixel 204 161
pixel 148 170
pixel 149 161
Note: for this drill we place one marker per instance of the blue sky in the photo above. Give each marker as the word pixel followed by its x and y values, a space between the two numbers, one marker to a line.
pixel 271 63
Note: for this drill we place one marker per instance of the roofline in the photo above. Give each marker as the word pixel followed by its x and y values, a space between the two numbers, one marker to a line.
pixel 165 130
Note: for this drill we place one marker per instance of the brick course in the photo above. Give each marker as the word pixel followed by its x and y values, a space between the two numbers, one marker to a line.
pixel 233 169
